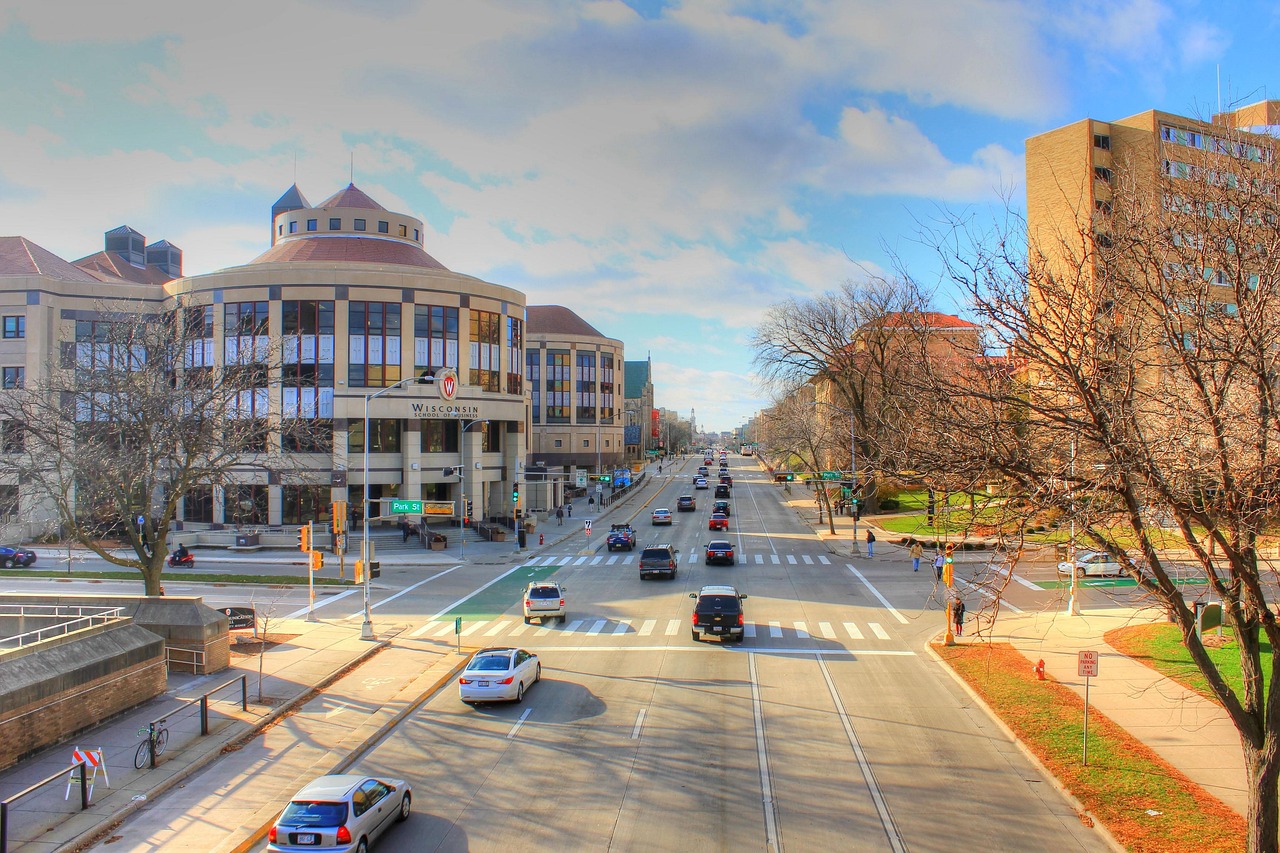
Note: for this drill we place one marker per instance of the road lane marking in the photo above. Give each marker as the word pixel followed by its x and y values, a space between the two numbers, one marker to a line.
pixel 298 614
pixel 475 626
pixel 791 559
pixel 1005 570
pixel 571 627
pixel 624 625
pixel 774 559
pixel 986 593
pixel 475 592
pixel 519 723
pixel 445 628
pixel 596 628
pixel 775 629
pixel 580 561
pixel 759 559
pixel 519 629
pixel 497 628
pixel 693 557
pixel 886 819
pixel 635 730
pixel 647 628
pixel 672 627
pixel 896 615
pixel 808 561
pixel 802 630
pixel 612 560
pixel 824 628
pixel 762 757
pixel 717 648
pixel 855 633
pixel 878 631
pixel 749 630
pixel 823 560
pixel 408 589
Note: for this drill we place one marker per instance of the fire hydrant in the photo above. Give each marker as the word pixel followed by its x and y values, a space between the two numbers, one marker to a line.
pixel 539 538
pixel 1040 669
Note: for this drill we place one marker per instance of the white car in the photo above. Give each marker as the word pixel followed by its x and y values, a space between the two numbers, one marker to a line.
pixel 1092 564
pixel 339 814
pixel 497 675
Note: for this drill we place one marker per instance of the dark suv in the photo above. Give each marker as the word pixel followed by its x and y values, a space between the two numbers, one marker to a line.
pixel 717 611
pixel 658 560
pixel 686 503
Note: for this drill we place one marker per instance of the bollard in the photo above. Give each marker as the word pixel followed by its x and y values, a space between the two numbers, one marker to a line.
pixel 540 539
pixel 1039 668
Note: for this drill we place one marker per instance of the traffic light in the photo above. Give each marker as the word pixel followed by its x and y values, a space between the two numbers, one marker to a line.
pixel 515 493
pixel 948 567
pixel 790 477
pixel 358 575
pixel 468 507
pixel 317 561
pixel 339 516
pixel 304 537
pixel 449 472
pixel 605 478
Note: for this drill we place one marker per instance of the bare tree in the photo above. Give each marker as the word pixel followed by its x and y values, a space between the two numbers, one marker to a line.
pixel 133 416
pixel 800 434
pixel 1137 379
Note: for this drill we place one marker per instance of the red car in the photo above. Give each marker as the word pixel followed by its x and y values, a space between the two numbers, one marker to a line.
pixel 719 521
pixel 719 551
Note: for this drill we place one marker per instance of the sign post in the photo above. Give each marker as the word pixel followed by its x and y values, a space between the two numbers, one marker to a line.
pixel 1087 666
pixel 399 507
pixel 587 527
pixel 457 632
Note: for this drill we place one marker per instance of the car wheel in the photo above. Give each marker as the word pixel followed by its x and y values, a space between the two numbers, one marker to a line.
pixel 696 638
pixel 528 621
pixel 363 846
pixel 537 674
pixel 563 618
pixel 4 562
pixel 1080 571
pixel 519 693
pixel 405 806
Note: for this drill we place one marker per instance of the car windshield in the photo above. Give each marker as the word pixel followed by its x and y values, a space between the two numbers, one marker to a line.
pixel 654 554
pixel 719 546
pixel 303 813
pixel 491 663
pixel 544 592
pixel 718 602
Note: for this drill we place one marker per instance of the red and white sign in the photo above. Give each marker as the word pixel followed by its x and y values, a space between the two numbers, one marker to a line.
pixel 587 526
pixel 1088 664
pixel 447 383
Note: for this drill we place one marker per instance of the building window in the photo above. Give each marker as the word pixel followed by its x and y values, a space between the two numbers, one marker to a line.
pixel 515 346
pixel 246 506
pixel 1102 141
pixel 586 442
pixel 14 377
pixel 533 370
pixel 300 504
pixel 416 237
pixel 359 224
pixel 312 224
pixel 1102 206
pixel 404 231
pixel 335 224
pixel 585 387
pixel 607 410
pixel 491 437
pixel 384 435
pixel 15 327
pixel 559 385
pixel 280 230
pixel 486 349
pixel 197 505
pixel 13 438
pixel 244 332
pixel 559 443
pixel 435 338
pixel 293 226
pixel 384 227
pixel 306 376
pixel 1102 173
pixel 374 346
pixel 440 436
pixel 9 502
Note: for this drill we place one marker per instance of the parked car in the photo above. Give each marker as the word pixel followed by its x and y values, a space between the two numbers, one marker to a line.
pixel 686 503
pixel 621 536
pixel 544 600
pixel 499 674
pixel 659 560
pixel 662 516
pixel 15 555
pixel 343 813
pixel 1092 564
pixel 721 506
pixel 718 521
pixel 719 551
pixel 718 612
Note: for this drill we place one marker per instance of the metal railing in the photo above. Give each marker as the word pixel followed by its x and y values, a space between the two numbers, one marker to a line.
pixel 203 702
pixel 79 617
pixel 78 768
pixel 173 653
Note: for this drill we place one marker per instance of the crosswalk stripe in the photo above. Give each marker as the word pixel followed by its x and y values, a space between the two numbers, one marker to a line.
pixel 624 625
pixel 823 560
pixel 422 629
pixel 877 630
pixel 543 631
pixel 497 628
pixel 613 558
pixel 791 559
pixel 580 561
pixel 595 561
pixel 596 628
pixel 445 628
pixel 519 629
pixel 475 626
pixel 647 628
pixel 572 626
pixel 626 561
pixel 749 630
pixel 802 630
pixel 775 629
pixel 759 559
pixel 855 633
pixel 693 556
pixel 825 629
pixel 672 627
pixel 774 558
pixel 808 561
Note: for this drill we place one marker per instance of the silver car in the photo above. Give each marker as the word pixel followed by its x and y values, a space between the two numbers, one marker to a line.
pixel 495 675
pixel 340 814
pixel 1092 564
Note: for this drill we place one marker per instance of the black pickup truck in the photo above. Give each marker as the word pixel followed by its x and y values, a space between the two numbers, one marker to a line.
pixel 718 612
pixel 621 537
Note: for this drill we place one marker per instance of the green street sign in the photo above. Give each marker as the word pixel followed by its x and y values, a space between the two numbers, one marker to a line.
pixel 410 507
pixel 831 475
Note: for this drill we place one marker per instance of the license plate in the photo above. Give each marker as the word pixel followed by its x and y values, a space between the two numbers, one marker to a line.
pixel 484 684
pixel 307 838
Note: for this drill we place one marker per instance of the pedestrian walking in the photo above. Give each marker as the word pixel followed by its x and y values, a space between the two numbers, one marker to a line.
pixel 938 563
pixel 871 543
pixel 659 469
pixel 560 516
pixel 404 531
pixel 568 508
pixel 916 552
pixel 957 615
pixel 591 501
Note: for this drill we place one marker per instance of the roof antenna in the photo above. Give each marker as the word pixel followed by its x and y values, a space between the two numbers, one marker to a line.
pixel 353 168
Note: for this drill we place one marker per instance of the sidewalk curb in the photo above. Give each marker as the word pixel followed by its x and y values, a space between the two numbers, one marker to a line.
pixel 213 750
pixel 260 832
pixel 1098 825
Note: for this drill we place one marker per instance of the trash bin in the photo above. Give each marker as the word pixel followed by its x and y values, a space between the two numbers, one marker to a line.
pixel 522 537
pixel 247 540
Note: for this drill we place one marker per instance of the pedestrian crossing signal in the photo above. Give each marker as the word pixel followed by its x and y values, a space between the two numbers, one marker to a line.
pixel 358 576
pixel 317 561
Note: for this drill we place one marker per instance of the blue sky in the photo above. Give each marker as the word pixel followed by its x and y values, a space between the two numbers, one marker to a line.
pixel 666 169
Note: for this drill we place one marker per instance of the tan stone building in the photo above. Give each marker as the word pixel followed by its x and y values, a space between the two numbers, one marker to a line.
pixel 356 305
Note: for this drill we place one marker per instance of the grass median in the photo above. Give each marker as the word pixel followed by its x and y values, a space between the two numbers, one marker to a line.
pixel 174 577
pixel 1145 802
pixel 1160 647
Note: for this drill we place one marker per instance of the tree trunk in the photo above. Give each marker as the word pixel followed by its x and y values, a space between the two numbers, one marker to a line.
pixel 1263 817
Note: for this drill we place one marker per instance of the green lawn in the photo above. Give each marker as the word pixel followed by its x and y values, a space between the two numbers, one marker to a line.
pixel 1160 647
pixel 172 577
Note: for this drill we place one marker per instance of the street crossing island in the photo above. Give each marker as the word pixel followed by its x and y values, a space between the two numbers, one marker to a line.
pixel 441 410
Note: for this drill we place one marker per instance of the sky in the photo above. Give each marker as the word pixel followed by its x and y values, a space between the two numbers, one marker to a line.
pixel 667 170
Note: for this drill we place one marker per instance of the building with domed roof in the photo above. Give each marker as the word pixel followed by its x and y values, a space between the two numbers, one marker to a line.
pixel 359 311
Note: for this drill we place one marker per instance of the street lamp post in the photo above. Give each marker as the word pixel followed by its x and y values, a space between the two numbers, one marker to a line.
pixel 462 448
pixel 366 627
pixel 853 454
pixel 1073 603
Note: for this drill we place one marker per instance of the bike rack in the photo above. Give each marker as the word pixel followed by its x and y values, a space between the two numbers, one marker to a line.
pixel 203 702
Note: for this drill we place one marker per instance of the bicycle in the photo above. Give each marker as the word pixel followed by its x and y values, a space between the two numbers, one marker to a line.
pixel 142 757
